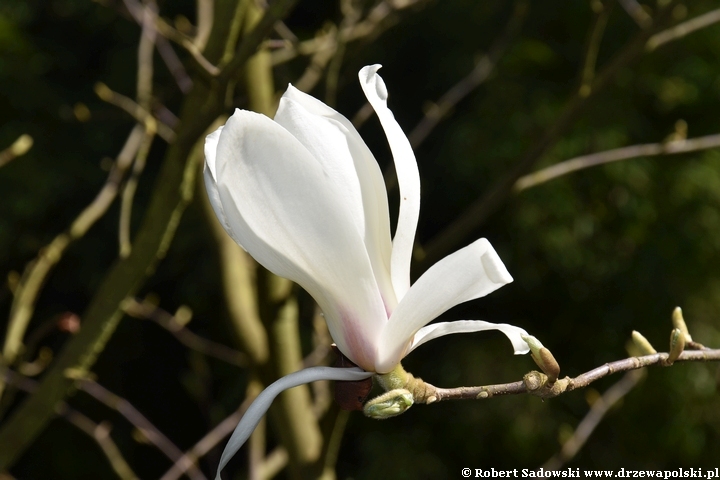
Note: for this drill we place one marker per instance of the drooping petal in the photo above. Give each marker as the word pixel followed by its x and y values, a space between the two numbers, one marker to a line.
pixel 471 272
pixel 283 208
pixel 335 143
pixel 261 404
pixel 431 332
pixel 408 179
pixel 211 142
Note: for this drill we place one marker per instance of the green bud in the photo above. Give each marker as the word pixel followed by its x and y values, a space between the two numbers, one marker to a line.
pixel 679 322
pixel 642 343
pixel 543 358
pixel 389 404
pixel 677 345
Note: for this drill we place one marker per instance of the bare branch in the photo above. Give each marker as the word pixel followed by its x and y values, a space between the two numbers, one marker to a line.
pixel 146 47
pixel 535 383
pixel 139 113
pixel 127 410
pixel 207 443
pixel 128 193
pixel 479 210
pixel 37 271
pixel 98 432
pixel 593 418
pixel 482 71
pixel 147 17
pixel 615 155
pixel 683 29
pixel 101 434
pixel 169 322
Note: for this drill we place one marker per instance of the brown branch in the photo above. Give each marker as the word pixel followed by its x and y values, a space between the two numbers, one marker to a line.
pixel 140 114
pixel 593 418
pixel 37 271
pixel 148 311
pixel 683 29
pixel 127 410
pixel 615 155
pixel 147 17
pixel 172 193
pixel 98 432
pixel 535 383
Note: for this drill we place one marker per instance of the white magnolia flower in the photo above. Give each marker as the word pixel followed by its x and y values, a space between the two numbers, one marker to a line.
pixel 305 197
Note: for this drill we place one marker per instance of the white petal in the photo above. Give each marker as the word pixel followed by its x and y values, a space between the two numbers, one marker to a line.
pixel 261 404
pixel 408 179
pixel 286 212
pixel 431 332
pixel 471 272
pixel 335 143
pixel 211 143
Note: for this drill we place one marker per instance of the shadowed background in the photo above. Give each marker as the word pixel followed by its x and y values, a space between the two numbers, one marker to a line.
pixel 595 254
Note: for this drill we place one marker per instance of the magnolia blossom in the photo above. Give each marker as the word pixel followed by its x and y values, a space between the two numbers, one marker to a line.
pixel 305 197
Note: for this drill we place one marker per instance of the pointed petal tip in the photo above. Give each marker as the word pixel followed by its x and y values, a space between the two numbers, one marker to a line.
pixel 368 75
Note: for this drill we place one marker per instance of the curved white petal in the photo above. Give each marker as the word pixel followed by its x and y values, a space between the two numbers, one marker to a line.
pixel 283 208
pixel 335 143
pixel 261 404
pixel 431 332
pixel 408 179
pixel 471 272
pixel 211 142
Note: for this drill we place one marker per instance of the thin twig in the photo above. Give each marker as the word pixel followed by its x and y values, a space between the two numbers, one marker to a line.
pixel 483 69
pixel 19 147
pixel 535 383
pixel 479 210
pixel 140 114
pixel 128 194
pixel 101 434
pixel 593 418
pixel 683 29
pixel 597 32
pixel 207 443
pixel 127 410
pixel 37 271
pixel 98 432
pixel 370 26
pixel 147 17
pixel 146 47
pixel 634 151
pixel 145 310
